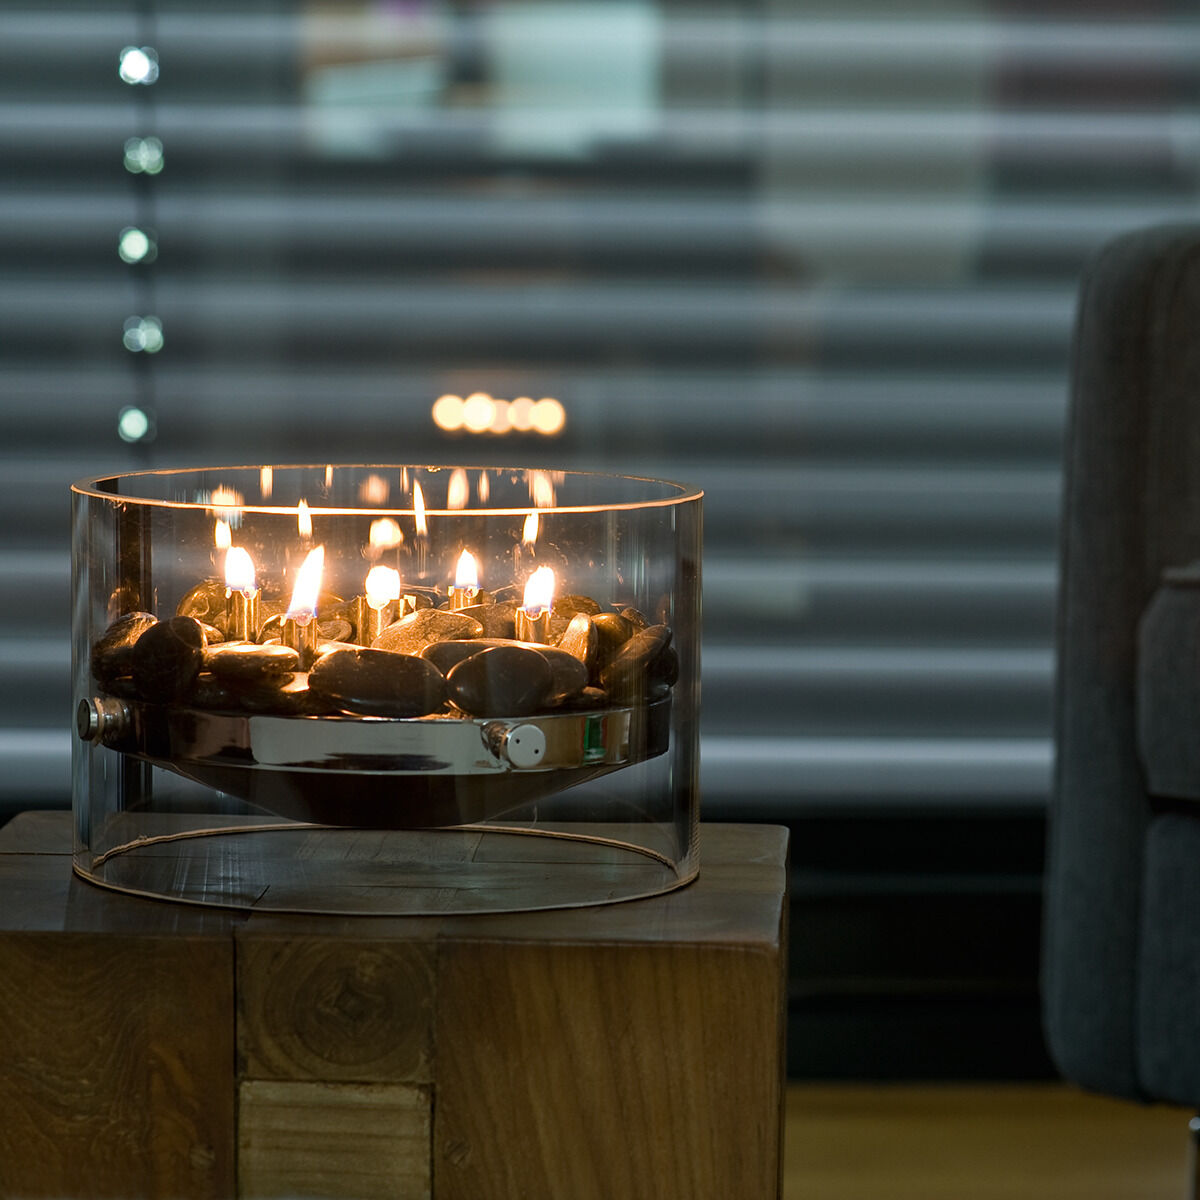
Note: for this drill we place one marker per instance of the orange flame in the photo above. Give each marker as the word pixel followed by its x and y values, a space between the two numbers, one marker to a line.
pixel 308 587
pixel 382 586
pixel 419 508
pixel 221 535
pixel 529 534
pixel 458 493
pixel 304 519
pixel 239 571
pixel 466 574
pixel 539 591
pixel 385 534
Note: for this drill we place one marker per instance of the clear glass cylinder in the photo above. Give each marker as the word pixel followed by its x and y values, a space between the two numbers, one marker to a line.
pixel 339 688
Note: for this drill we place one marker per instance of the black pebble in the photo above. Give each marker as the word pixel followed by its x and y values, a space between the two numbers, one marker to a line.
pixel 570 675
pixel 510 681
pixel 167 658
pixel 627 677
pixel 112 655
pixel 378 683
pixel 568 606
pixel 243 665
pixel 498 620
pixel 447 655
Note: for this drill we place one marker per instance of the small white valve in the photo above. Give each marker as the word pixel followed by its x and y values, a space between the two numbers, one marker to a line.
pixel 524 746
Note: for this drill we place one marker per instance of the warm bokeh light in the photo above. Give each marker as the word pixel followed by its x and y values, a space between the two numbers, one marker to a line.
pixel 266 481
pixel 239 570
pixel 478 411
pixel 529 533
pixel 539 591
pixel 226 504
pixel 466 573
pixel 386 534
pixel 458 491
pixel 382 586
pixel 520 414
pixel 328 478
pixel 222 537
pixel 485 487
pixel 373 490
pixel 448 413
pixel 419 508
pixel 308 586
pixel 500 422
pixel 549 417
pixel 303 519
pixel 481 412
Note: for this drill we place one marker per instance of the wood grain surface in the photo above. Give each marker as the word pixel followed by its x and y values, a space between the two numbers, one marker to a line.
pixel 348 1008
pixel 632 1050
pixel 605 1071
pixel 335 1141
pixel 117 1074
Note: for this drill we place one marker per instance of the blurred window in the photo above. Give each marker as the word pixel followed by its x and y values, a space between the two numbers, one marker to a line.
pixel 819 259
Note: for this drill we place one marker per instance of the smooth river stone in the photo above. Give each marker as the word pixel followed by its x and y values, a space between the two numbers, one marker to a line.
pixel 498 620
pixel 635 618
pixel 167 658
pixel 569 674
pixel 627 677
pixel 205 602
pixel 290 697
pixel 503 681
pixel 411 634
pixel 244 666
pixel 447 655
pixel 112 655
pixel 378 683
pixel 581 640
pixel 568 606
pixel 612 632
pixel 587 699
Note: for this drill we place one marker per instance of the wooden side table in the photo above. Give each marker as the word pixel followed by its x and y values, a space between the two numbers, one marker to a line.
pixel 150 1049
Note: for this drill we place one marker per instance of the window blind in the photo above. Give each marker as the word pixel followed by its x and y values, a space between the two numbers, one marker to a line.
pixel 819 260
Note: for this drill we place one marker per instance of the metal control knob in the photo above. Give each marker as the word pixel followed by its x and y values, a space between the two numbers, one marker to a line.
pixel 522 746
pixel 101 719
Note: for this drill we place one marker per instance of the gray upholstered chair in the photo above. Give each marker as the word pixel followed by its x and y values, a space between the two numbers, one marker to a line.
pixel 1121 961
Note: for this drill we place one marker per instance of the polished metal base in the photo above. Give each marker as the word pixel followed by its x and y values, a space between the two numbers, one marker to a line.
pixel 376 772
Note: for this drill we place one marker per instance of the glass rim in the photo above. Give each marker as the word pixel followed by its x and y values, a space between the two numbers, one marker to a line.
pixel 89 487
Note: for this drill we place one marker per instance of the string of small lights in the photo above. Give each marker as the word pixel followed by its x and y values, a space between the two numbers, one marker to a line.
pixel 137 243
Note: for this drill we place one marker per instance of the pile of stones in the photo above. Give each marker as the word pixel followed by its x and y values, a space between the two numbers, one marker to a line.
pixel 433 662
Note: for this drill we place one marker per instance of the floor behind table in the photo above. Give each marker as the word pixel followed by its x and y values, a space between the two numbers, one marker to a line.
pixel 983 1142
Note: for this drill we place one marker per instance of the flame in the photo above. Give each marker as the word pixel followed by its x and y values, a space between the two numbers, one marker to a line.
pixel 304 519
pixel 529 534
pixel 374 490
pixel 459 491
pixel 239 571
pixel 539 591
pixel 386 534
pixel 541 489
pixel 308 587
pixel 328 478
pixel 226 504
pixel 221 535
pixel 382 586
pixel 485 488
pixel 419 508
pixel 266 481
pixel 466 574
